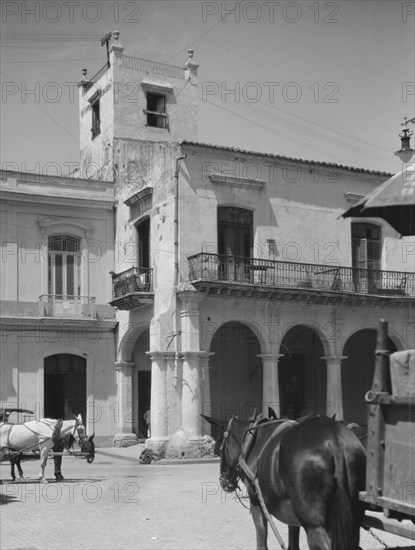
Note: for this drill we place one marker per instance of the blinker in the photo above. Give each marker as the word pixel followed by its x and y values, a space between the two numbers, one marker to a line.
pixel 225 435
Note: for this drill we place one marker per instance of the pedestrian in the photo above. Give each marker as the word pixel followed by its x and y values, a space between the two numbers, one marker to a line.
pixel 147 418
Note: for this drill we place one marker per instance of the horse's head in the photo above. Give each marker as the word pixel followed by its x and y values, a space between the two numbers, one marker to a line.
pixel 86 443
pixel 228 447
pixel 88 446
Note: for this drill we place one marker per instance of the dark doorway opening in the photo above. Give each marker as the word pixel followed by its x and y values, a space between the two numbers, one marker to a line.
pixel 64 386
pixel 302 373
pixel 291 379
pixel 144 396
pixel 357 373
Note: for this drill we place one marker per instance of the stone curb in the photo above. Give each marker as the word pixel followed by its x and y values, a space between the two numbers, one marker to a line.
pixel 166 461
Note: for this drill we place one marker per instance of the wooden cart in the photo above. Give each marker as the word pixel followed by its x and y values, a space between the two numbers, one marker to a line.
pixel 390 473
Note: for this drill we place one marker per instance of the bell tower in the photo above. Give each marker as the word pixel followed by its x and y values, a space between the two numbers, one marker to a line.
pixel 132 98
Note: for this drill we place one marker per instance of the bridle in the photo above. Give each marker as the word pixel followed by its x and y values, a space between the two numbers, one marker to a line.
pixel 83 439
pixel 229 483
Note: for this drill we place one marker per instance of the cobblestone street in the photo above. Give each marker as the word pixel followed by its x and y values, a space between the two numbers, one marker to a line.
pixel 117 503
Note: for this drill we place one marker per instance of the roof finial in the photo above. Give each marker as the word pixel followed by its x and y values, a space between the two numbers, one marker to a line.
pixel 191 68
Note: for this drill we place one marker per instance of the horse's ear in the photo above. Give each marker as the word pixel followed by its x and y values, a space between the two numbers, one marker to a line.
pixel 91 437
pixel 215 422
pixel 271 414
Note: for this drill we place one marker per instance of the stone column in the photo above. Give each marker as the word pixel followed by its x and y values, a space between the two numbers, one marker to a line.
pixel 158 403
pixel 191 399
pixel 334 400
pixel 205 392
pixel 270 383
pixel 125 436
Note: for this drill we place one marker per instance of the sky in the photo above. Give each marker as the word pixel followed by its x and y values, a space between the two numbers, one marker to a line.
pixel 317 80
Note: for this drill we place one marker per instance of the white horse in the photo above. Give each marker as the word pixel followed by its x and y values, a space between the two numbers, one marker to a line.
pixel 38 434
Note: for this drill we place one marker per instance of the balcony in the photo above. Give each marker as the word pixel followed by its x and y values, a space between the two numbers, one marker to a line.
pixel 132 288
pixel 67 307
pixel 220 274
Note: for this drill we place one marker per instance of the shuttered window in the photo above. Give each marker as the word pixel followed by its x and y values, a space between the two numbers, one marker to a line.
pixel 366 251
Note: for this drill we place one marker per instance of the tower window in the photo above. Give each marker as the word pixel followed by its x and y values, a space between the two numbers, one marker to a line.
pixel 96 122
pixel 156 110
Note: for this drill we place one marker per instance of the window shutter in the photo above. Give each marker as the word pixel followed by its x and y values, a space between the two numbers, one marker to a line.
pixel 373 254
pixel 362 254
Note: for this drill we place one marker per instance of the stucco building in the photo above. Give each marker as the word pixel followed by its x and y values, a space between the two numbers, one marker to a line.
pixel 234 284
pixel 57 329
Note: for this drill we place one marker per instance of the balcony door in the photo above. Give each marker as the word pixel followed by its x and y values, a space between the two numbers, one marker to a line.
pixel 143 280
pixel 366 256
pixel 64 275
pixel 234 243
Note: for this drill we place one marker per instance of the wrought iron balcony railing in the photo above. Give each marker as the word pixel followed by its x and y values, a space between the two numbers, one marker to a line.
pixel 276 274
pixel 62 306
pixel 135 279
pixel 132 288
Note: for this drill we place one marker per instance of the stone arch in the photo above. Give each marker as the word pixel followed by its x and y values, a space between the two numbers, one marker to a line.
pixel 129 340
pixel 210 330
pixel 357 372
pixel 302 372
pixel 235 371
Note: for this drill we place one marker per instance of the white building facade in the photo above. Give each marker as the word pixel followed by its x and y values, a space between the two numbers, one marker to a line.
pixel 234 284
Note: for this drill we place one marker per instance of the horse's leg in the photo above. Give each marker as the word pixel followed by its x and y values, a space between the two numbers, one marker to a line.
pixel 44 450
pixel 261 524
pixel 57 459
pixel 19 468
pixel 293 537
pixel 318 538
pixel 13 461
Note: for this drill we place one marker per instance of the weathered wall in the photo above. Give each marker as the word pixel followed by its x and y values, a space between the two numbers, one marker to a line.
pixel 298 206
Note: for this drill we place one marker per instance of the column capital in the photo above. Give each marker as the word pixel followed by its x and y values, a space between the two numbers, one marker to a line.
pixel 120 365
pixel 157 355
pixel 270 356
pixel 334 358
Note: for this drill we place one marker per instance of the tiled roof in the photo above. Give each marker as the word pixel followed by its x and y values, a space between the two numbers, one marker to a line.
pixel 288 159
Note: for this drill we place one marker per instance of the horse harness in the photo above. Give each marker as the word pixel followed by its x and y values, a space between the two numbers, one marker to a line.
pixel 248 442
pixel 55 436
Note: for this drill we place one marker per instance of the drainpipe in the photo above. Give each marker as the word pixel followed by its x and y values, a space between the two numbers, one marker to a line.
pixel 176 333
pixel 176 221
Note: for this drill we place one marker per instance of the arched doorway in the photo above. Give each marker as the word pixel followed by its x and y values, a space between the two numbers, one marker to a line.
pixel 357 373
pixel 302 373
pixel 235 373
pixel 141 384
pixel 64 386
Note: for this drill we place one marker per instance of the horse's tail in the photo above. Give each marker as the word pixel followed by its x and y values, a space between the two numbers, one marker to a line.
pixel 345 517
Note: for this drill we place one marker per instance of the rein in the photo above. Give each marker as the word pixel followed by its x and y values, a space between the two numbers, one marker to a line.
pixel 242 465
pixel 253 478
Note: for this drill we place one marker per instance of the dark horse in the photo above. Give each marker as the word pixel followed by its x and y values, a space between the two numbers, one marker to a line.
pixel 87 446
pixel 309 475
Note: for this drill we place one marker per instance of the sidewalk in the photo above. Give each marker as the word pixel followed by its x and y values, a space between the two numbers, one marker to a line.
pixel 133 452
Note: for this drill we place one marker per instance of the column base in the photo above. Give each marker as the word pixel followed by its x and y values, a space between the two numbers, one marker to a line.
pixel 157 444
pixel 180 445
pixel 124 440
